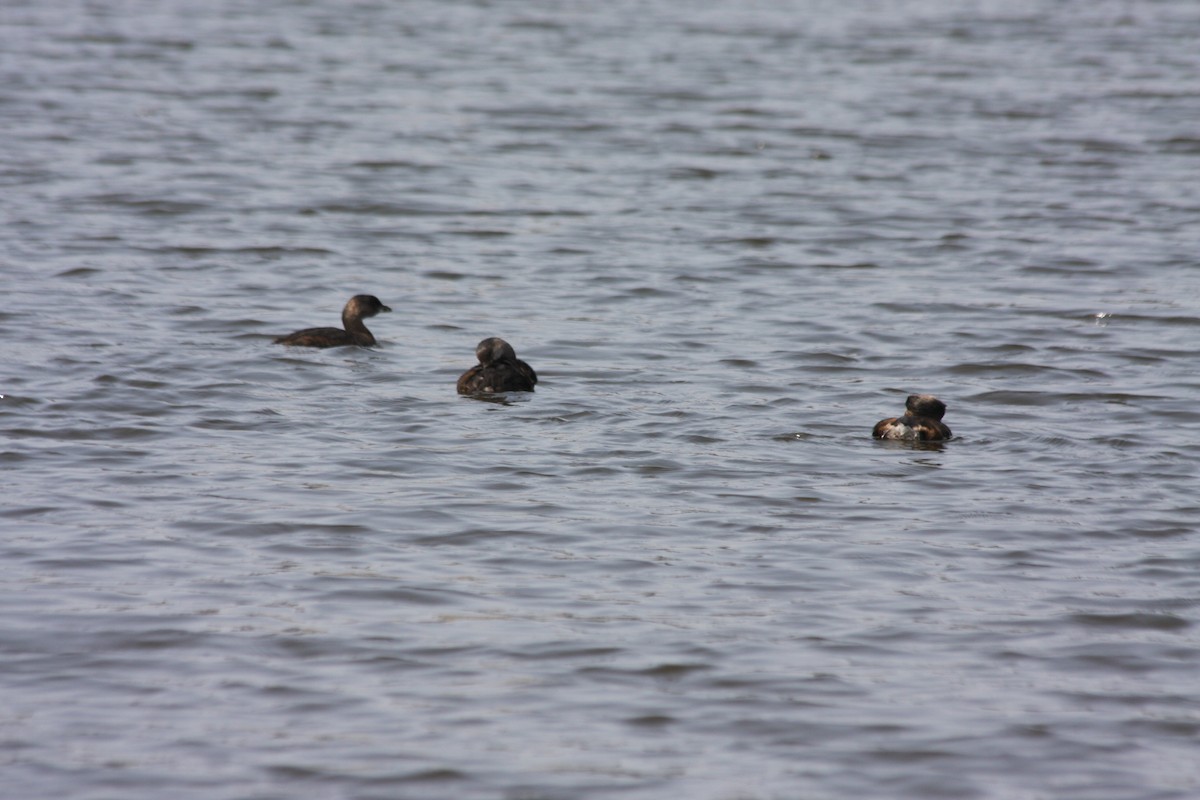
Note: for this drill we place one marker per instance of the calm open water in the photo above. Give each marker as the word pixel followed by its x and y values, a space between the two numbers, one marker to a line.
pixel 730 237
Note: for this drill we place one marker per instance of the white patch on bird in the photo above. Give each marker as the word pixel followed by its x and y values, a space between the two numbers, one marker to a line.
pixel 902 432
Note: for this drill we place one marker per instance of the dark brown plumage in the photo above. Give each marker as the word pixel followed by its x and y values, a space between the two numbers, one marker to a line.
pixel 353 331
pixel 922 421
pixel 498 370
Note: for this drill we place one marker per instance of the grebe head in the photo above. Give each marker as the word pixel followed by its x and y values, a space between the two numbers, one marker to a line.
pixel 925 405
pixel 494 349
pixel 364 305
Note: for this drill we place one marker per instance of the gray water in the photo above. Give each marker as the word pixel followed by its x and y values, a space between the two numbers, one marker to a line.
pixel 730 237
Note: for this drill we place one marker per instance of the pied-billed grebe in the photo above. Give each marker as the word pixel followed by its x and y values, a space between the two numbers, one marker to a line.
pixel 922 421
pixel 498 370
pixel 359 306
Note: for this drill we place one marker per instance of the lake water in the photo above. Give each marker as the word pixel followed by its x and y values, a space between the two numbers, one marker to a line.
pixel 730 237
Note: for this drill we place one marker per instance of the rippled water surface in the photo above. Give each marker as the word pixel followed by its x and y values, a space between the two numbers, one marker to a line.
pixel 730 237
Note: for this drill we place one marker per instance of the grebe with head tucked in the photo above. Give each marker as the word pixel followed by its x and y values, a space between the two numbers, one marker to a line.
pixel 498 370
pixel 355 332
pixel 922 421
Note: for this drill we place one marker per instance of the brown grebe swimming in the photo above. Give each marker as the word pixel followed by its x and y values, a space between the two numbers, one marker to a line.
pixel 353 330
pixel 498 370
pixel 922 421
